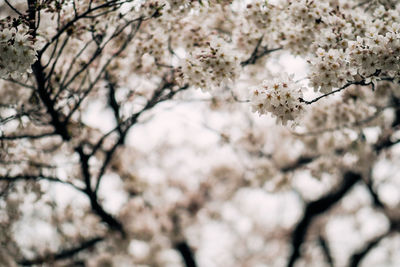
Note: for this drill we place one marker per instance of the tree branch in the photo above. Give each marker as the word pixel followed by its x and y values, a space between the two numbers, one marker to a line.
pixel 29 136
pixel 257 54
pixel 301 161
pixel 326 250
pixel 62 254
pixel 357 257
pixel 13 8
pixel 335 91
pixel 76 18
pixel 112 101
pixel 186 253
pixel 113 223
pixel 316 208
pixel 59 126
pixel 124 126
pixel 26 177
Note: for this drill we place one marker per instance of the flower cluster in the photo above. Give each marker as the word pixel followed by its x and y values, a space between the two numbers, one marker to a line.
pixel 178 5
pixel 259 13
pixel 328 70
pixel 338 114
pixel 281 97
pixel 211 66
pixel 187 35
pixel 259 19
pixel 151 49
pixel 17 52
pixel 307 11
pixel 151 8
pixel 376 52
pixel 306 19
pixel 157 8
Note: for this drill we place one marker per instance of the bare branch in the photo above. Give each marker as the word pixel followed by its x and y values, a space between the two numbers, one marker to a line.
pixel 124 126
pixel 357 257
pixel 258 52
pixel 327 252
pixel 301 161
pixel 186 253
pixel 316 208
pixel 28 136
pixel 113 223
pixel 76 18
pixel 28 177
pixel 13 8
pixel 63 254
pixel 335 91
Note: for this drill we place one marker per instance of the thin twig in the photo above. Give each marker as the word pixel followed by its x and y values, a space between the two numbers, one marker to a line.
pixel 334 91
pixel 13 8
pixel 62 254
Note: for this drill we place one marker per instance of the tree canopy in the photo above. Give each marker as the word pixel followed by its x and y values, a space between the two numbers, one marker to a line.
pixel 199 133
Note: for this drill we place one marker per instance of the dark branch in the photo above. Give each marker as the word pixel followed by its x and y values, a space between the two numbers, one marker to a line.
pixel 13 8
pixel 258 52
pixel 130 36
pixel 16 137
pixel 112 222
pixel 76 18
pixel 24 177
pixel 396 104
pixel 374 195
pixel 358 256
pixel 158 96
pixel 112 101
pixel 335 91
pixel 59 126
pixel 186 253
pixel 63 254
pixel 326 250
pixel 301 161
pixel 316 208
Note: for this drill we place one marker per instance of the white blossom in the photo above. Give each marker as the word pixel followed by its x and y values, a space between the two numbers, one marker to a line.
pixel 211 66
pixel 17 52
pixel 280 97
